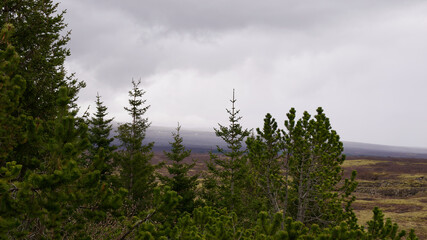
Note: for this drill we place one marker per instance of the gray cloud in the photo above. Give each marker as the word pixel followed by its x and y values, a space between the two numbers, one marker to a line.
pixel 363 61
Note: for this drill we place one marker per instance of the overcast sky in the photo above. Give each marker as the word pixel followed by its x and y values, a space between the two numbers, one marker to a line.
pixel 364 61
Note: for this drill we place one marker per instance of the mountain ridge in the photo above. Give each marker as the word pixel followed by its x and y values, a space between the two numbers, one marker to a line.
pixel 205 141
pixel 200 141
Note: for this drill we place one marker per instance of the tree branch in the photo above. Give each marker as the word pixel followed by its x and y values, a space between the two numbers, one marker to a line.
pixel 137 224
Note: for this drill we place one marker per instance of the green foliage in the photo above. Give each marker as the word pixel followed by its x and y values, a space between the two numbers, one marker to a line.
pixel 156 222
pixel 12 87
pixel 8 205
pixel 59 197
pixel 264 157
pixel 138 177
pixel 132 134
pixel 227 171
pixel 69 137
pixel 210 223
pixel 179 179
pixel 314 158
pixel 54 198
pixel 40 41
pixel 100 152
pixel 42 52
pixel 207 223
pixel 100 130
pixel 265 227
pixel 136 172
pixel 378 229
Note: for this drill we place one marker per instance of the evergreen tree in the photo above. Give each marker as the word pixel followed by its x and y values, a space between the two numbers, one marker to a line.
pixel 179 179
pixel 378 229
pixel 314 155
pixel 58 198
pixel 100 129
pixel 132 134
pixel 41 44
pixel 134 157
pixel 264 156
pixel 209 223
pixel 227 171
pixel 101 150
pixel 12 87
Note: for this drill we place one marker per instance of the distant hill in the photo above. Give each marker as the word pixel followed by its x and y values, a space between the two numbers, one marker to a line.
pixel 205 141
pixel 197 141
pixel 376 150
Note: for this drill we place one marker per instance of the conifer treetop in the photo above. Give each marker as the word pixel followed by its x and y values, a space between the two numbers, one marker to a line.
pixel 133 133
pixel 178 151
pixel 100 128
pixel 234 134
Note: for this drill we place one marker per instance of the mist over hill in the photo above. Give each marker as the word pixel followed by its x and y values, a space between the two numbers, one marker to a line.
pixel 377 150
pixel 205 141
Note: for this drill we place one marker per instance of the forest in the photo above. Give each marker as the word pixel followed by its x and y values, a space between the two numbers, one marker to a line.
pixel 62 178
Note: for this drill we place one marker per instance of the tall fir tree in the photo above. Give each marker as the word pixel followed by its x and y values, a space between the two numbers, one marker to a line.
pixel 227 170
pixel 136 171
pixel 179 178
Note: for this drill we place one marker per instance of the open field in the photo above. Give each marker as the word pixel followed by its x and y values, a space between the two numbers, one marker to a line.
pixel 398 186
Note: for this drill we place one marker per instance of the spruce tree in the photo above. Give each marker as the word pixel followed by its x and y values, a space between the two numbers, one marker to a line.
pixel 136 171
pixel 100 129
pixel 100 149
pixel 179 179
pixel 227 170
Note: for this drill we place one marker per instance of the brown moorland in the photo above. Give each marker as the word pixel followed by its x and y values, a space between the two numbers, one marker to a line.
pixel 396 185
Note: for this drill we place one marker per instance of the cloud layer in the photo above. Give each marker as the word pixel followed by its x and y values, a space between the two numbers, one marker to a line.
pixel 362 61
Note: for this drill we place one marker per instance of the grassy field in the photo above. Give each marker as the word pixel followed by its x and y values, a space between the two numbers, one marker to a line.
pixel 397 186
